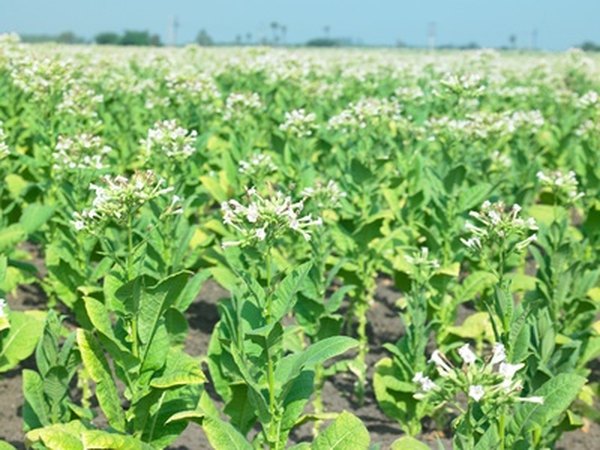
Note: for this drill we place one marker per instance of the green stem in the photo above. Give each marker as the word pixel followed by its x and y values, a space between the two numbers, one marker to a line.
pixel 501 430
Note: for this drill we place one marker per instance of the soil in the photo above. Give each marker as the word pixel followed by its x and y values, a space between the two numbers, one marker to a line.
pixel 384 326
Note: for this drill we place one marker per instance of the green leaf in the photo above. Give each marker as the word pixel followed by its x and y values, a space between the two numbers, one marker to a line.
pixel 35 413
pixel 214 188
pixel 489 440
pixel 21 340
pixel 291 366
pixel 474 196
pixel 11 236
pixel 410 443
pixel 346 432
pixel 191 290
pixel 223 436
pixel 180 370
pixel 34 216
pixel 285 294
pixel 61 436
pixel 475 284
pixel 558 393
pixel 99 439
pixel 99 371
pixel 155 301
pixel 99 316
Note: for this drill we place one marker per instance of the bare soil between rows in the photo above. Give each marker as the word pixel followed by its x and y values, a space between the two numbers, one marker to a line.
pixel 384 326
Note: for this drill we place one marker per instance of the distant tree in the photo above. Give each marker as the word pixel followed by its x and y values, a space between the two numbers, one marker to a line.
pixel 68 37
pixel 107 38
pixel 155 40
pixel 326 30
pixel 141 38
pixel 248 38
pixel 238 39
pixel 589 46
pixel 203 38
pixel 513 41
pixel 323 42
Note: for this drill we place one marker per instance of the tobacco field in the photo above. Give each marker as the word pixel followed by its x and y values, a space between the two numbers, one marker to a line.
pixel 268 248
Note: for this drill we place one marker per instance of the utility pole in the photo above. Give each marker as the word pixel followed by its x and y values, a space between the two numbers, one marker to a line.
pixel 431 36
pixel 173 27
pixel 534 38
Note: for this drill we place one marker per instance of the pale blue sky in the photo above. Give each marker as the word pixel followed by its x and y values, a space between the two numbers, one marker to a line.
pixel 560 24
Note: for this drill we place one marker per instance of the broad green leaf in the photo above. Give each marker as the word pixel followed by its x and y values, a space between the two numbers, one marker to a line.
pixel 475 326
pixel 11 236
pixel 474 196
pixel 558 393
pixel 35 414
pixel 99 316
pixel 346 432
pixel 474 284
pixel 223 436
pixel 181 369
pixel 214 188
pixel 409 443
pixel 34 216
pixel 291 366
pixel 489 440
pixel 20 342
pixel 99 371
pixel 99 439
pixel 155 301
pixel 59 436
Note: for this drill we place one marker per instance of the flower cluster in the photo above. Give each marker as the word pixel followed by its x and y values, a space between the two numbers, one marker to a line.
pixel 80 152
pixel 2 307
pixel 4 151
pixel 169 139
pixel 299 123
pixel 80 101
pixel 496 224
pixel 258 166
pixel 325 195
pixel 366 112
pixel 563 185
pixel 472 83
pixel 493 381
pixel 422 259
pixel 199 86
pixel 240 104
pixel 481 125
pixel 266 218
pixel 119 197
pixel 590 98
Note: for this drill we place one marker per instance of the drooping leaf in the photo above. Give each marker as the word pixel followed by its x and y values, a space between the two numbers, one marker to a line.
pixel 99 371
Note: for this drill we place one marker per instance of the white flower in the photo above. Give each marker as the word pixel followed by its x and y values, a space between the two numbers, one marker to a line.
pixel 168 138
pixel 442 366
pixel 299 123
pixel 426 383
pixel 535 399
pixel 509 370
pixel 476 392
pixel 499 354
pixel 467 354
pixel 2 306
pixel 261 233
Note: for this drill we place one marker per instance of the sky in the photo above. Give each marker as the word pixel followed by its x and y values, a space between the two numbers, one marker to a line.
pixel 560 24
